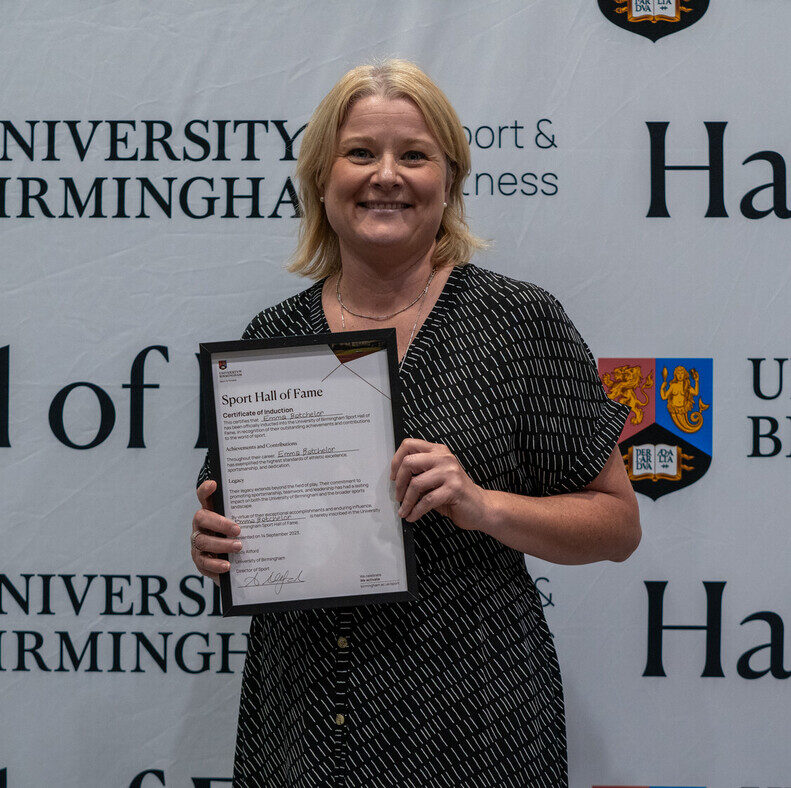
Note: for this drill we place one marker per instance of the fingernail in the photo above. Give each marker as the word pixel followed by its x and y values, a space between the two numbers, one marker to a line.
pixel 237 546
pixel 236 530
pixel 226 566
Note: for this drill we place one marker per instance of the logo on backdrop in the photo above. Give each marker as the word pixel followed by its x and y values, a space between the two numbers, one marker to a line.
pixel 667 439
pixel 222 364
pixel 653 18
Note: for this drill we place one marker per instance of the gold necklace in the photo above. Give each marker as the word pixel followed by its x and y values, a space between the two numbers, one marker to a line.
pixel 421 298
pixel 384 317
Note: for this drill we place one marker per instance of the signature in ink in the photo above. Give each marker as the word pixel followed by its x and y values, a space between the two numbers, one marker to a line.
pixel 277 579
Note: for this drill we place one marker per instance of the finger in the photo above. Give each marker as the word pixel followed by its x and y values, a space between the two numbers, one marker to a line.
pixel 208 564
pixel 205 491
pixel 213 576
pixel 208 543
pixel 418 487
pixel 412 465
pixel 205 520
pixel 431 500
pixel 408 446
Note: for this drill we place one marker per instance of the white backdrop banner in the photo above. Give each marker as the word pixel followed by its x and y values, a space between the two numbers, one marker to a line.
pixel 628 156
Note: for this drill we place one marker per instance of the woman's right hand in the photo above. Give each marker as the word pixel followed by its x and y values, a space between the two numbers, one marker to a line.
pixel 211 534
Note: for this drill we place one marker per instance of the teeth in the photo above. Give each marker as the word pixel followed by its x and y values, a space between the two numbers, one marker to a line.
pixel 387 206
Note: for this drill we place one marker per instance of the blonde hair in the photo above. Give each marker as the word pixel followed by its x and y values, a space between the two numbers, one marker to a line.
pixel 318 251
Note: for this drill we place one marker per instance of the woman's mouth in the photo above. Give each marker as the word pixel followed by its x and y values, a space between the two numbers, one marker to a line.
pixel 378 205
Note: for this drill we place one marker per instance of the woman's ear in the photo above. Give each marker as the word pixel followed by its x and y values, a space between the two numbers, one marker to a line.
pixel 450 176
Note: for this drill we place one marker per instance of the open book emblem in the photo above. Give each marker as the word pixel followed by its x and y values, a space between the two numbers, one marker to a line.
pixel 666 442
pixel 653 18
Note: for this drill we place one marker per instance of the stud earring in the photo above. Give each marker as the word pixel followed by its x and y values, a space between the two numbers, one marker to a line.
pixel 444 205
pixel 321 199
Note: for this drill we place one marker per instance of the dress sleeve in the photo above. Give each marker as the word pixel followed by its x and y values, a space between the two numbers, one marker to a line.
pixel 567 425
pixel 205 472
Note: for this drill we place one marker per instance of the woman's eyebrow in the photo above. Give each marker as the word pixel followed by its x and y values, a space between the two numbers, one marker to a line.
pixel 420 141
pixel 356 140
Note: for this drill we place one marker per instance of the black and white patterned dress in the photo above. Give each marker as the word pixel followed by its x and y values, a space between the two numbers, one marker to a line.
pixel 461 687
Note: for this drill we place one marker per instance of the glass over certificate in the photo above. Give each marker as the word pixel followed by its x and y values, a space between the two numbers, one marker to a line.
pixel 301 434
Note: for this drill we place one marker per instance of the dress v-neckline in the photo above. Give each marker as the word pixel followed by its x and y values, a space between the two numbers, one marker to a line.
pixel 423 335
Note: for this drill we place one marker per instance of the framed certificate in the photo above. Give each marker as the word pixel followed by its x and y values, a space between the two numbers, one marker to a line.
pixel 301 434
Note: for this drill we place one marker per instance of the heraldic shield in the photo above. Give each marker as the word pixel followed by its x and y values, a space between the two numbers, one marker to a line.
pixel 667 439
pixel 653 18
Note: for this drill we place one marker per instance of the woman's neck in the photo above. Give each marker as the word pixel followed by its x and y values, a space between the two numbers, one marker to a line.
pixel 376 286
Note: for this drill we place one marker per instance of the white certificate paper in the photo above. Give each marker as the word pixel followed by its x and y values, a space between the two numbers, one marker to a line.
pixel 303 437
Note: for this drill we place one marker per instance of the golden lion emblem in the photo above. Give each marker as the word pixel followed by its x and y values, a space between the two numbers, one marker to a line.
pixel 623 386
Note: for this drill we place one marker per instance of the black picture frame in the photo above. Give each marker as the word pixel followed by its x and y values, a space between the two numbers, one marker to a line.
pixel 386 338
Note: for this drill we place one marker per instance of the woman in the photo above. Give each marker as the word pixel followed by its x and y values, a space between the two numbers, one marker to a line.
pixel 512 450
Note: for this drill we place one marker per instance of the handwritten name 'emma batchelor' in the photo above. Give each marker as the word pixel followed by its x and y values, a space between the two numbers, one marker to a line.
pixel 270 396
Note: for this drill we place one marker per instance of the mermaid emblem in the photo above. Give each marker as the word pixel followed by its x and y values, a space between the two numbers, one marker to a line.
pixel 680 395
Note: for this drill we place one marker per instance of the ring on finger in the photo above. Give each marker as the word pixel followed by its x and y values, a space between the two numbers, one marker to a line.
pixel 193 538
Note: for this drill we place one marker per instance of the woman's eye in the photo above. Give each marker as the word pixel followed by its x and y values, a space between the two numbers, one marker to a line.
pixel 359 153
pixel 414 155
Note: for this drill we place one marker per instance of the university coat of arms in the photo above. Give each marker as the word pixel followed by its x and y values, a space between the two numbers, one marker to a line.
pixel 666 442
pixel 653 18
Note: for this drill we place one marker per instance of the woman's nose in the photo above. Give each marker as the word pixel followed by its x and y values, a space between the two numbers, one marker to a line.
pixel 386 173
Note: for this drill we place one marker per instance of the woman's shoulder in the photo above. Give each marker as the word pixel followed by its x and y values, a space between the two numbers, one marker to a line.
pixel 508 297
pixel 294 316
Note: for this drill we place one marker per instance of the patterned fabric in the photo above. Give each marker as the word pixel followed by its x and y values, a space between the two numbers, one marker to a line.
pixel 461 687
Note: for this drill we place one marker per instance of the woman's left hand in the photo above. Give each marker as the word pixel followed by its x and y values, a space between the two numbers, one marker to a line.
pixel 428 476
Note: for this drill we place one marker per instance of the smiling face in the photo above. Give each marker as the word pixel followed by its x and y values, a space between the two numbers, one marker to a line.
pixel 388 181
